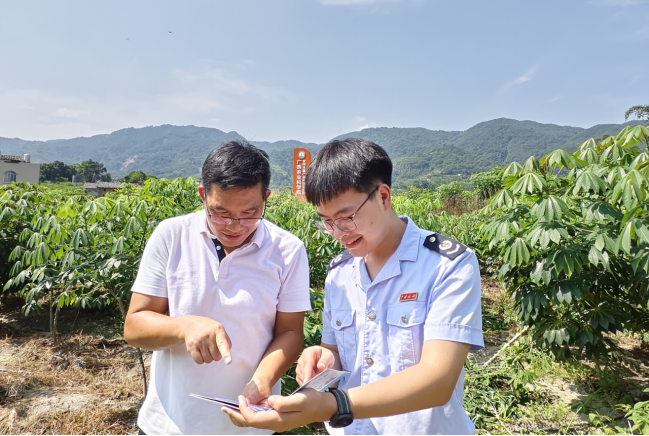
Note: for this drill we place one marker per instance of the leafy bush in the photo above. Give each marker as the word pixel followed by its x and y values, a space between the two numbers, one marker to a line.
pixel 572 232
pixel 488 183
pixel 638 414
pixel 81 250
pixel 137 177
pixel 451 190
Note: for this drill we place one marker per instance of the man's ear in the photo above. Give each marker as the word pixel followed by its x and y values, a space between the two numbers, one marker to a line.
pixel 201 192
pixel 385 195
pixel 267 194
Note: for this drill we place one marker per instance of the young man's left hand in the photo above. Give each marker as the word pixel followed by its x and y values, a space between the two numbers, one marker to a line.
pixel 290 412
pixel 257 392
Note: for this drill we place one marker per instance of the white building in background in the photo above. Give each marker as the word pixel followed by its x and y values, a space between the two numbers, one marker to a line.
pixel 18 169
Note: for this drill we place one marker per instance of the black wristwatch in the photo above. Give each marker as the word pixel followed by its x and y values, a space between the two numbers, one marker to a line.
pixel 344 416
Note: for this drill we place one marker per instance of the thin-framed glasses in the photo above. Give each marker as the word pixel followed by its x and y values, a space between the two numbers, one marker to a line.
pixel 344 224
pixel 226 220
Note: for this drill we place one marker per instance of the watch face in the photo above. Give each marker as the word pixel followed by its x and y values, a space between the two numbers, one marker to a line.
pixel 342 420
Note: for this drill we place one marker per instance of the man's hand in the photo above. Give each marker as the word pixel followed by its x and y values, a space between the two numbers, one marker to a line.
pixel 313 361
pixel 303 408
pixel 148 326
pixel 257 392
pixel 206 340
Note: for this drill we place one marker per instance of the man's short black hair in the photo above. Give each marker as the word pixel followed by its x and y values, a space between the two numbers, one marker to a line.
pixel 343 165
pixel 236 164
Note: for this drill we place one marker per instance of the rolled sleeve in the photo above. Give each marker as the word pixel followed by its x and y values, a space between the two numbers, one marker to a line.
pixel 294 292
pixel 152 274
pixel 454 310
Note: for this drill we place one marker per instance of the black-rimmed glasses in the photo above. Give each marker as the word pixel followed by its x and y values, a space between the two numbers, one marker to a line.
pixel 226 220
pixel 344 224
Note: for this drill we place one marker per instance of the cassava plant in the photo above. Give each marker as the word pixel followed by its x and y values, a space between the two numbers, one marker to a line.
pixel 572 232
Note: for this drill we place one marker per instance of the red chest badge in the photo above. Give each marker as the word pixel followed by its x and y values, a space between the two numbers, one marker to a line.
pixel 408 297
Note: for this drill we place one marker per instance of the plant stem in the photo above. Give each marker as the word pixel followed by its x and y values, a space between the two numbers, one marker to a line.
pixel 139 352
pixel 51 309
pixel 55 331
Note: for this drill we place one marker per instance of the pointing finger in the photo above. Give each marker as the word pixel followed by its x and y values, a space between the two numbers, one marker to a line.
pixel 223 343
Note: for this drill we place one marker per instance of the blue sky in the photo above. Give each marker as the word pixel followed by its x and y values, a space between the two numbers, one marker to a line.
pixel 313 69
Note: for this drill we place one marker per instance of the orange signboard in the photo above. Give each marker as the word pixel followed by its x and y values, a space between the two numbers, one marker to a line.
pixel 301 161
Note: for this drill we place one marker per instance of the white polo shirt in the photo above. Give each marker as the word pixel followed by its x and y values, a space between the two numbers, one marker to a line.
pixel 244 292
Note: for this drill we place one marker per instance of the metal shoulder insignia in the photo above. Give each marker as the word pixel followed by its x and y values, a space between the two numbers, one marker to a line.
pixel 445 246
pixel 338 260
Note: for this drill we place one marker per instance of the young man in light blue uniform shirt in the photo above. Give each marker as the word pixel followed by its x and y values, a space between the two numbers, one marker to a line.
pixel 401 311
pixel 380 326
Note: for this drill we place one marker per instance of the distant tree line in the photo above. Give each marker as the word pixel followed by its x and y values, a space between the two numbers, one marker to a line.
pixel 90 170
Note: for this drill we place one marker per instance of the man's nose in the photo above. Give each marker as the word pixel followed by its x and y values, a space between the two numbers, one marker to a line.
pixel 234 224
pixel 338 234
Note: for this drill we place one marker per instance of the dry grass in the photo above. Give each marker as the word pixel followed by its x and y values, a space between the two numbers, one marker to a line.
pixel 459 205
pixel 82 385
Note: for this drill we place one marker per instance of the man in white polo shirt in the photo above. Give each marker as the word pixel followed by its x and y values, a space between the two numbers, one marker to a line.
pixel 220 297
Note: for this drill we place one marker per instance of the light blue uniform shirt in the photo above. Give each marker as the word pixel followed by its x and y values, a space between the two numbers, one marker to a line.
pixel 380 327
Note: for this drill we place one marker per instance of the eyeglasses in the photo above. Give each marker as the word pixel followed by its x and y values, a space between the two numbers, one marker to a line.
pixel 226 220
pixel 344 224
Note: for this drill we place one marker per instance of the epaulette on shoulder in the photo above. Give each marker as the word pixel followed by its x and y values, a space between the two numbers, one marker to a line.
pixel 445 246
pixel 338 260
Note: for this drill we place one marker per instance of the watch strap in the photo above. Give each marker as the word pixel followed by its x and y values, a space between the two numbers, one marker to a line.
pixel 344 405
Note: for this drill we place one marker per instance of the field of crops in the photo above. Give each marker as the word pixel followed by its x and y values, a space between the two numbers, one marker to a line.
pixel 563 247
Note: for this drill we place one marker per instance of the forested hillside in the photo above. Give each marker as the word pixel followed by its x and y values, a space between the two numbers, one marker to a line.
pixel 424 158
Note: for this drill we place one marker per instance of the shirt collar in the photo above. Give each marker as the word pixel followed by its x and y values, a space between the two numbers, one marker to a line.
pixel 202 227
pixel 409 246
pixel 407 251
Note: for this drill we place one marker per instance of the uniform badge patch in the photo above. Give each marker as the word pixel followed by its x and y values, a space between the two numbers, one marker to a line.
pixel 408 297
pixel 339 259
pixel 445 246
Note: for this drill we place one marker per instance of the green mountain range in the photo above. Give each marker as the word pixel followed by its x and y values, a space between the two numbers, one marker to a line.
pixel 422 157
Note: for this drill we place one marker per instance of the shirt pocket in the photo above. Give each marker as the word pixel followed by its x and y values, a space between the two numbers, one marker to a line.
pixel 342 321
pixel 406 322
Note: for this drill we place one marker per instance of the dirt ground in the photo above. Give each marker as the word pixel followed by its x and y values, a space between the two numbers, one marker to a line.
pixel 86 383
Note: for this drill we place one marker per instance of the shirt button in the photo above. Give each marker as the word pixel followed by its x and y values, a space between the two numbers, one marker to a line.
pixel 338 322
pixel 404 319
pixel 369 361
pixel 218 247
pixel 371 316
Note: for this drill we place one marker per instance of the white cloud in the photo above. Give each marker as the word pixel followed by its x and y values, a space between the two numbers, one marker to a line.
pixel 526 77
pixel 205 96
pixel 363 124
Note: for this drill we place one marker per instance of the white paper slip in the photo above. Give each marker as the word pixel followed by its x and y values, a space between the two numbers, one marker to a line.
pixel 323 380
pixel 230 403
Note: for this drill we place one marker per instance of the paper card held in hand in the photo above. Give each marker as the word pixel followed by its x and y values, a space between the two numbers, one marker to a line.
pixel 320 382
pixel 323 380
